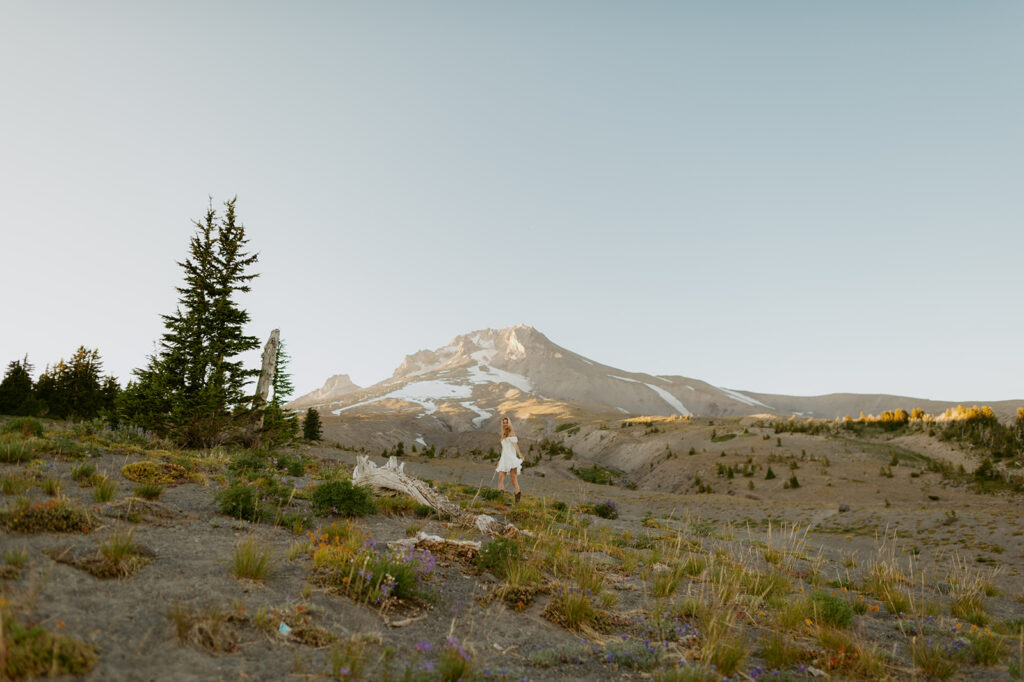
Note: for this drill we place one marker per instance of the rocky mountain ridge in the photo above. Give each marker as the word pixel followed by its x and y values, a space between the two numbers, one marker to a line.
pixel 465 383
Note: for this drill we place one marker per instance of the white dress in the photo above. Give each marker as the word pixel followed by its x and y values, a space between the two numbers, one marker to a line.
pixel 509 458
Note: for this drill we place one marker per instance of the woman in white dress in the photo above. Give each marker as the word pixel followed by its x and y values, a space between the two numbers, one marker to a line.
pixel 511 458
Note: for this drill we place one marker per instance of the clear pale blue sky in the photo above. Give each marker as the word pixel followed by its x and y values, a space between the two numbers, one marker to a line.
pixel 793 197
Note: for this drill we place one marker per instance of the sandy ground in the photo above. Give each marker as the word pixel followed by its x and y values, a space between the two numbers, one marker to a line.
pixel 893 517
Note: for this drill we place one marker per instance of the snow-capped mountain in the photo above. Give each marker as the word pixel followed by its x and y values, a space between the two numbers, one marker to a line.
pixel 477 377
pixel 491 369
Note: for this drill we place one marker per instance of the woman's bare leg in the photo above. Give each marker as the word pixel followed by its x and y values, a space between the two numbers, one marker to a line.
pixel 515 480
pixel 501 480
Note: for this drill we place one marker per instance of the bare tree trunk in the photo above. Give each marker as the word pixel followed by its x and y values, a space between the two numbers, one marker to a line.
pixel 266 375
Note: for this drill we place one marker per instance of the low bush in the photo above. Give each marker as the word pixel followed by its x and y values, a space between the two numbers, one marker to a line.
pixel 496 555
pixel 157 473
pixel 597 474
pixel 572 609
pixel 17 450
pixel 607 510
pixel 104 490
pixel 631 654
pixel 83 472
pixel 239 501
pixel 31 652
pixel 353 565
pixel 26 426
pixel 68 449
pixel 831 610
pixel 51 516
pixel 12 485
pixel 149 491
pixel 342 498
pixel 491 494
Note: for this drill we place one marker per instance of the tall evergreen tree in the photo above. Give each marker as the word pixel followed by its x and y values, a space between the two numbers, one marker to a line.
pixel 311 427
pixel 281 384
pixel 16 389
pixel 195 381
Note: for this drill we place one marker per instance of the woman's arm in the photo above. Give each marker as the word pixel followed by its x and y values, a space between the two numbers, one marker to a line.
pixel 520 452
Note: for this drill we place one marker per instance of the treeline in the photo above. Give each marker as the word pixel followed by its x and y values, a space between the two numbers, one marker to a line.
pixel 195 389
pixel 70 389
pixel 975 426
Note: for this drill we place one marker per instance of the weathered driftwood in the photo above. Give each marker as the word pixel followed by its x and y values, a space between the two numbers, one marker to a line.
pixel 392 477
pixel 421 538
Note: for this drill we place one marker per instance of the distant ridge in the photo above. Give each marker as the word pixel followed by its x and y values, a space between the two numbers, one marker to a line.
pixel 333 389
pixel 466 382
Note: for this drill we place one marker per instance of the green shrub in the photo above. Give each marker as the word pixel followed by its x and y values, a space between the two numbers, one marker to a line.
pixel 67 448
pixel 105 489
pixel 26 426
pixel 249 462
pixel 496 555
pixel 342 498
pixel 51 516
pixel 12 485
pixel 831 610
pixel 632 654
pixel 148 491
pixel 16 451
pixel 491 494
pixel 596 474
pixel 606 510
pixel 50 486
pixel 293 465
pixel 36 652
pixel 239 501
pixel 454 663
pixel 83 472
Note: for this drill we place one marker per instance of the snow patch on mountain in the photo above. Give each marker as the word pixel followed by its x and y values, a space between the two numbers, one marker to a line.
pixel 423 393
pixel 485 374
pixel 672 401
pixel 745 399
pixel 484 415
pixel 669 398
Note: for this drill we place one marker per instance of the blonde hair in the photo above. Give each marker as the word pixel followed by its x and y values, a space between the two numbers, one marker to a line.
pixel 506 428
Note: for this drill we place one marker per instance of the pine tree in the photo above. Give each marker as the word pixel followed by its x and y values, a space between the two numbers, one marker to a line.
pixel 195 380
pixel 281 384
pixel 16 389
pixel 77 389
pixel 311 427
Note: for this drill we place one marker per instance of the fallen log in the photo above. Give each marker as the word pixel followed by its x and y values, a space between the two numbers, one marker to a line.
pixel 392 478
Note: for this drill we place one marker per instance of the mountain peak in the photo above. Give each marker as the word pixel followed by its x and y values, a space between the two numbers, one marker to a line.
pixel 334 388
pixel 483 347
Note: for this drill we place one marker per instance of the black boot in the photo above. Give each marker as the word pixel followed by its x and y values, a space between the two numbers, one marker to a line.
pixel 518 495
